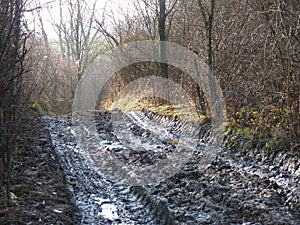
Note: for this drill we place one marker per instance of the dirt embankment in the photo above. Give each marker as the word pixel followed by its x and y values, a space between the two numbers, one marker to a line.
pixel 39 192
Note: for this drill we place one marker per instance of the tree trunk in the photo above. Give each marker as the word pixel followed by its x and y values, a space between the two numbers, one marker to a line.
pixel 163 37
pixel 208 19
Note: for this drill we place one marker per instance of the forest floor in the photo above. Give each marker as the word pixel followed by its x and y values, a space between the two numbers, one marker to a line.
pixel 39 192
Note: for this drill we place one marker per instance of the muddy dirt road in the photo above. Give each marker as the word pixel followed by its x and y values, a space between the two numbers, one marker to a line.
pixel 206 189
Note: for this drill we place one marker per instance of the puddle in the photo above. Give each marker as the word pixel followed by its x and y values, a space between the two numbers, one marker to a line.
pixel 109 211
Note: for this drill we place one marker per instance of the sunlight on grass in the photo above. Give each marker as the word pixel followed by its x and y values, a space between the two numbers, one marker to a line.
pixel 183 111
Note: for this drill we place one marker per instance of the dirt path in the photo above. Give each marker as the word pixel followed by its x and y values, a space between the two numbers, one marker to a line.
pixel 223 191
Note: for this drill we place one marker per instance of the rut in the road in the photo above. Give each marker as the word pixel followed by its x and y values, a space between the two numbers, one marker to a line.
pixel 221 191
pixel 99 200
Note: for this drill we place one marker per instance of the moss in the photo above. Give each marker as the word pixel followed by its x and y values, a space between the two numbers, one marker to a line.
pixel 242 131
pixel 21 189
pixel 43 108
pixel 230 156
pixel 36 106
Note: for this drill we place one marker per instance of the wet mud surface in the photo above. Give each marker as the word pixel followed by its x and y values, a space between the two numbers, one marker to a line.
pixel 39 194
pixel 206 189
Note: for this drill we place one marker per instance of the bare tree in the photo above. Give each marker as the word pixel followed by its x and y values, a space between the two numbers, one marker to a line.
pixel 162 37
pixel 12 55
pixel 79 41
pixel 253 48
pixel 207 13
pixel 50 84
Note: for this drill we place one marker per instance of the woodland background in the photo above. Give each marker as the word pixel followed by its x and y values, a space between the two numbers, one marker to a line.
pixel 252 46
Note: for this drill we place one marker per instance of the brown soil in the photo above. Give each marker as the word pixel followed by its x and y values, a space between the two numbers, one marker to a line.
pixel 39 192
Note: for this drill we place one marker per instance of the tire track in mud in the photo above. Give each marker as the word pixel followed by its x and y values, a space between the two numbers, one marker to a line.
pixel 101 201
pixel 221 191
